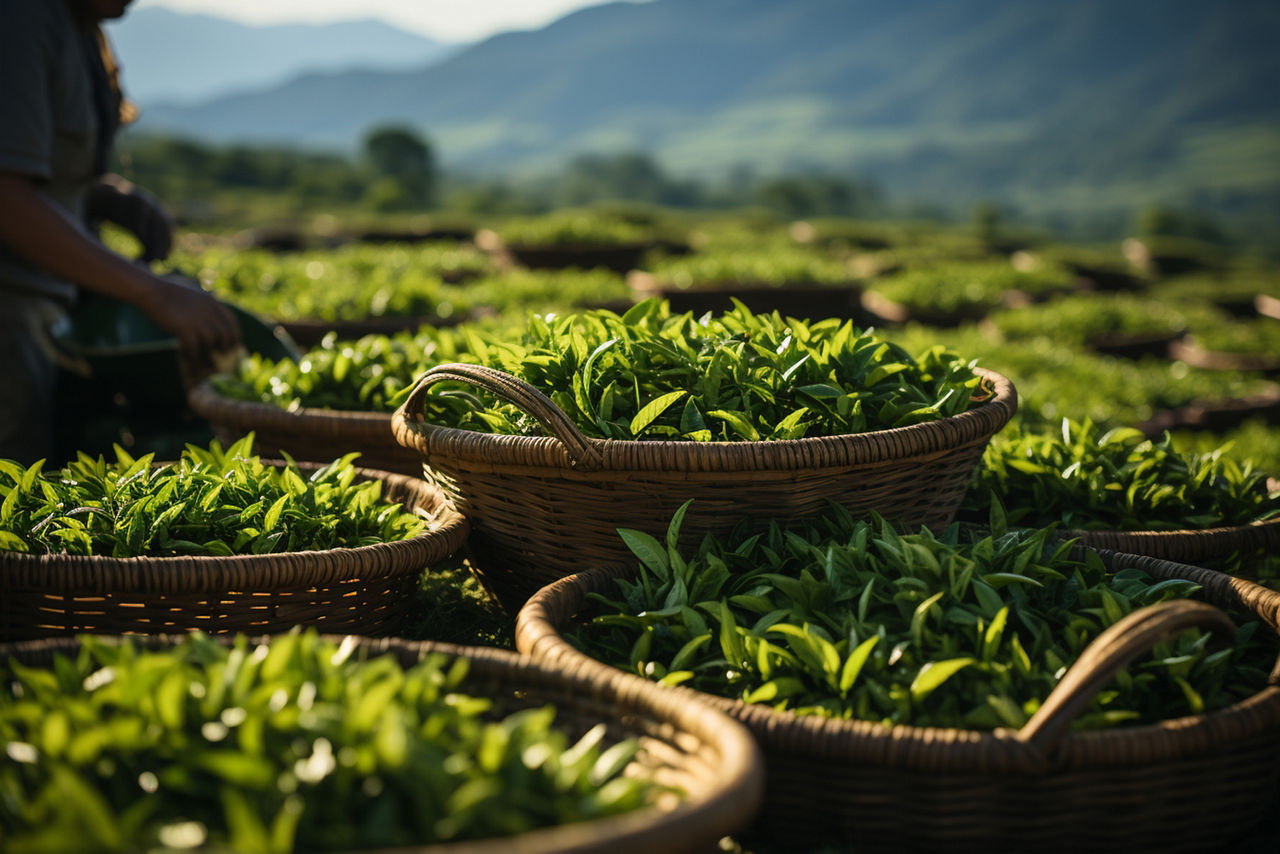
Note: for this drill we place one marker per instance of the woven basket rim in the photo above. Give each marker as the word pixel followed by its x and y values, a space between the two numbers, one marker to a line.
pixel 207 402
pixel 312 324
pixel 94 574
pixel 1262 531
pixel 733 791
pixel 581 246
pixel 1188 350
pixel 929 438
pixel 942 748
pixel 649 284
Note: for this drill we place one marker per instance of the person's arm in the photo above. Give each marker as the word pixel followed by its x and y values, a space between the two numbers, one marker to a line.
pixel 117 200
pixel 36 231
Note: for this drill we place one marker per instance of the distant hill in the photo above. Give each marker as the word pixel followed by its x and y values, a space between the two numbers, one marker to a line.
pixel 1070 105
pixel 186 58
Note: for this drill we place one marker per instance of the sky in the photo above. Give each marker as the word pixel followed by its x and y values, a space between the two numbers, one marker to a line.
pixel 444 20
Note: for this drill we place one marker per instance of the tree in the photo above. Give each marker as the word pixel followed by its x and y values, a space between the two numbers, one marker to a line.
pixel 1168 221
pixel 816 195
pixel 633 176
pixel 403 167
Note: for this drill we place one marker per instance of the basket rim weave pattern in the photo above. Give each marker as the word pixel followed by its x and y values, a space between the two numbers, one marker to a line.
pixel 731 779
pixel 245 415
pixel 92 574
pixel 362 589
pixel 1186 544
pixel 949 749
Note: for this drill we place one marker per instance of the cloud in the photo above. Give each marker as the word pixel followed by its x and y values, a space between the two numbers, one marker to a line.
pixel 446 21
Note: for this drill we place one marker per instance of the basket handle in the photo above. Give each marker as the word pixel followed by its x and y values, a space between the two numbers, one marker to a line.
pixel 1109 653
pixel 515 391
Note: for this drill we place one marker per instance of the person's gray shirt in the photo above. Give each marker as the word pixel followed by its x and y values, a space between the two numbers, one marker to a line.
pixel 48 127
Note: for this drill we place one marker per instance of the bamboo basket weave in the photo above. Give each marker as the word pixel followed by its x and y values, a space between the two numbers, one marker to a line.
pixel 362 589
pixel 1188 546
pixel 542 507
pixel 710 758
pixel 306 434
pixel 1189 784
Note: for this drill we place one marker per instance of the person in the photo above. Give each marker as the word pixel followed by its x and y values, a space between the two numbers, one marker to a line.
pixel 60 107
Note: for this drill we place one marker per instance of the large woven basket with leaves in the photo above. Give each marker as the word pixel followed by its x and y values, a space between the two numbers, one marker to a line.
pixel 362 590
pixel 707 767
pixel 542 507
pixel 304 433
pixel 1186 784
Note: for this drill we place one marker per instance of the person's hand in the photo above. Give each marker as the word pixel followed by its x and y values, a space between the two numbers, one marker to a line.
pixel 132 208
pixel 203 326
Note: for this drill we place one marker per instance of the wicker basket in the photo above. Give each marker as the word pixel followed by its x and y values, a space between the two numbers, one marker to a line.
pixel 309 333
pixel 1190 784
pixel 885 311
pixel 712 759
pixel 363 590
pixel 542 507
pixel 306 434
pixel 1221 360
pixel 1136 345
pixel 790 300
pixel 1190 546
pixel 1217 415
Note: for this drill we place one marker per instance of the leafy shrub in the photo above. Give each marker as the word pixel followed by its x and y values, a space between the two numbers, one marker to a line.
pixel 1079 319
pixel 1056 379
pixel 778 267
pixel 967 288
pixel 526 292
pixel 372 373
pixel 350 283
pixel 841 235
pixel 1253 337
pixel 1254 440
pixel 572 228
pixel 1239 284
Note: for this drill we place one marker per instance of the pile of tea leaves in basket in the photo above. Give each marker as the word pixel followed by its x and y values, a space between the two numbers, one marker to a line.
pixel 372 373
pixel 348 283
pixel 1087 478
pixel 649 374
pixel 776 266
pixel 303 744
pixel 855 620
pixel 209 502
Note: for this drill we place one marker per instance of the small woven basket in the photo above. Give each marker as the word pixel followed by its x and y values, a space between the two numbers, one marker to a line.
pixel 710 758
pixel 361 590
pixel 305 434
pixel 1190 784
pixel 542 507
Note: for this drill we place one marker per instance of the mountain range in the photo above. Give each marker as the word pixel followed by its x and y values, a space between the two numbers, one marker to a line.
pixel 1049 105
pixel 180 58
